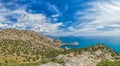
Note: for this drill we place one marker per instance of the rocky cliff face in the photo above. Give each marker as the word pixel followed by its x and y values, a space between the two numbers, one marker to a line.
pixel 90 56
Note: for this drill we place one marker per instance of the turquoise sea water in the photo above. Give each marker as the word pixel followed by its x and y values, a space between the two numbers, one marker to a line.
pixel 85 41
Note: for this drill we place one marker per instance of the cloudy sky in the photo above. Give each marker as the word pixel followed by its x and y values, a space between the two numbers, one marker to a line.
pixel 62 17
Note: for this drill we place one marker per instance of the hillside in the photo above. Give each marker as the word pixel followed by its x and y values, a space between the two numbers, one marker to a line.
pixel 25 46
pixel 97 55
pixel 25 35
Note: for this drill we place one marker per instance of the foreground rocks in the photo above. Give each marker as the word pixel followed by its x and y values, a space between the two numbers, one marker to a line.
pixel 51 64
pixel 80 60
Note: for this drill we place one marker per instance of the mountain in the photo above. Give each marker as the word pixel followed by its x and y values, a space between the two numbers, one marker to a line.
pixel 25 46
pixel 25 35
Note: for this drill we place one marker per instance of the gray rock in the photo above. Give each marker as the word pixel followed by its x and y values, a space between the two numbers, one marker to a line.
pixel 51 64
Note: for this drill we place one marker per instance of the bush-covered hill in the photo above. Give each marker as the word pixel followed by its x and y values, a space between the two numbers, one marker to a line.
pixel 22 46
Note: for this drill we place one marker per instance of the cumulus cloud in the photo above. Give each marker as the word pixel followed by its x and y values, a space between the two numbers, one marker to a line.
pixel 37 22
pixel 20 19
pixel 101 19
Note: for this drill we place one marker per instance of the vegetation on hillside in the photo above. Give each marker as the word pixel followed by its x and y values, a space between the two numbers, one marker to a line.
pixel 24 47
pixel 108 63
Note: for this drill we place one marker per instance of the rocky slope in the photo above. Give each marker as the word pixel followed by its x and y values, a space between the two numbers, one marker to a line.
pixel 23 46
pixel 90 56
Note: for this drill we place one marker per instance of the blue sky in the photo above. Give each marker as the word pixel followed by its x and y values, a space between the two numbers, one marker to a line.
pixel 62 17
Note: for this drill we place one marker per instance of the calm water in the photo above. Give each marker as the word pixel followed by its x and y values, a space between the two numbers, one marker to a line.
pixel 112 42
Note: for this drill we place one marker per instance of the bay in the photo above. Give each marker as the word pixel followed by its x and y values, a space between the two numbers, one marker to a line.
pixel 112 42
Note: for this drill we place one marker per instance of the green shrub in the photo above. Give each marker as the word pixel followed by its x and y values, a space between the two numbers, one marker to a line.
pixel 108 63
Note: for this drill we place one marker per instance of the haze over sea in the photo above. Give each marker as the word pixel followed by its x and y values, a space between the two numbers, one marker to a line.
pixel 84 41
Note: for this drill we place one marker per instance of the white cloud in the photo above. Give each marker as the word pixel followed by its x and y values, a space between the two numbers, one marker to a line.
pixel 37 22
pixel 53 8
pixel 103 15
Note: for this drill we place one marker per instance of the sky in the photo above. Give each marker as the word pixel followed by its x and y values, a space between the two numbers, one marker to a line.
pixel 62 17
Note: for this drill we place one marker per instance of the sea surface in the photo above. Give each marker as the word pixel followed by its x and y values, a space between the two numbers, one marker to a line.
pixel 85 41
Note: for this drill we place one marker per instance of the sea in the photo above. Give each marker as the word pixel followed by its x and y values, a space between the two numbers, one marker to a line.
pixel 112 42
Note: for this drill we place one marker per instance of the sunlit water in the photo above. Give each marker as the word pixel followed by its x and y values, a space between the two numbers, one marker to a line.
pixel 112 42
